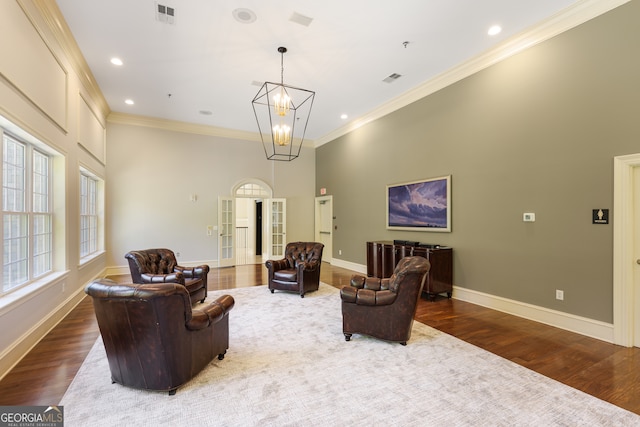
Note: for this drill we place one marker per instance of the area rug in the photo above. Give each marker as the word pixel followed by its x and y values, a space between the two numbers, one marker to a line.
pixel 289 365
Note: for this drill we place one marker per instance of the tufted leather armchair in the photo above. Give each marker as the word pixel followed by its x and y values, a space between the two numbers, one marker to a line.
pixel 160 266
pixel 384 308
pixel 154 340
pixel 299 270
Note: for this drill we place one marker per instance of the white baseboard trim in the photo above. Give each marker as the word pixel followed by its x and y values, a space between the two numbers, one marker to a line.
pixel 580 325
pixel 359 268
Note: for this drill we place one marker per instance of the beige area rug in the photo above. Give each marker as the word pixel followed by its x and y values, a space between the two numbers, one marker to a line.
pixel 289 365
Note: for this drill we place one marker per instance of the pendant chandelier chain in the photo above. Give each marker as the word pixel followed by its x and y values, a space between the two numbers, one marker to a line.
pixel 282 68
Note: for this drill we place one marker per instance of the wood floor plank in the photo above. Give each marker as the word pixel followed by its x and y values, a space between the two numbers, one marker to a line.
pixel 604 370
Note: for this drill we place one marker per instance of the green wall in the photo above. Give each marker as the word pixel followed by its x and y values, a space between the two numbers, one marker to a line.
pixel 535 133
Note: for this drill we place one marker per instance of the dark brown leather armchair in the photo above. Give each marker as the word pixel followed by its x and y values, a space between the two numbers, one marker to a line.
pixel 153 338
pixel 299 270
pixel 160 266
pixel 384 308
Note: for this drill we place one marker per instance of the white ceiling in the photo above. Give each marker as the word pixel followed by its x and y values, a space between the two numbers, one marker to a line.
pixel 207 60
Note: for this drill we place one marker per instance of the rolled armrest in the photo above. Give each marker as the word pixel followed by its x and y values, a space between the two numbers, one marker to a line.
pixel 212 313
pixel 176 277
pixel 192 272
pixel 275 265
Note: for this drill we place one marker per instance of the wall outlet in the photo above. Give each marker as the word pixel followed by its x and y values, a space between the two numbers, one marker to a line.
pixel 177 254
pixel 559 295
pixel 529 217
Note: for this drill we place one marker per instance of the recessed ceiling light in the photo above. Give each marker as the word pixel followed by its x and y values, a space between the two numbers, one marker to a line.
pixel 129 101
pixel 344 117
pixel 495 29
pixel 246 16
pixel 116 61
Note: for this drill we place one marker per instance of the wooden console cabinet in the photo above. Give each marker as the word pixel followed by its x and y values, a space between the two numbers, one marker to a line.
pixel 383 256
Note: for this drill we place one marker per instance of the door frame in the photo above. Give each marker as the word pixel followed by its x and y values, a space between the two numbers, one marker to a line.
pixel 327 254
pixel 623 249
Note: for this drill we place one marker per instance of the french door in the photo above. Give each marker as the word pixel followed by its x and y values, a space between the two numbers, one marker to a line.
pixel 276 227
pixel 226 230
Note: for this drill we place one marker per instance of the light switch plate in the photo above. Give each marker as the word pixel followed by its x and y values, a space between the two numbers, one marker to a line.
pixel 529 217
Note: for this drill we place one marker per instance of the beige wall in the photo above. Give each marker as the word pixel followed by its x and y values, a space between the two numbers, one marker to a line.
pixel 153 172
pixel 535 133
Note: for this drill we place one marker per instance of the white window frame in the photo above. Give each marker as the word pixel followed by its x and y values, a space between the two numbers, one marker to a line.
pixel 91 232
pixel 35 208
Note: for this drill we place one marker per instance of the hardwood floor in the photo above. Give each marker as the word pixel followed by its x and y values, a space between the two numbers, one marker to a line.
pixel 607 371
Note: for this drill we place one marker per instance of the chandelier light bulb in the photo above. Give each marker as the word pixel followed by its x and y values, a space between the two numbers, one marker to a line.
pixel 281 134
pixel 282 103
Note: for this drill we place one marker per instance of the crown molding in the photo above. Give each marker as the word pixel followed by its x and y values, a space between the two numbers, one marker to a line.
pixel 174 125
pixel 568 18
pixel 184 127
pixel 197 129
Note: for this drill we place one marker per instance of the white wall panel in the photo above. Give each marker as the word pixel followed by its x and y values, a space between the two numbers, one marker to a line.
pixel 35 71
pixel 91 133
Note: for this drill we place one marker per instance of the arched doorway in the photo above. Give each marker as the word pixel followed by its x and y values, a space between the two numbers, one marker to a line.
pixel 249 196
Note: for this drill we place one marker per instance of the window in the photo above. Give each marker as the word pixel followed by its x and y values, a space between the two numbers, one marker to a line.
pixel 26 213
pixel 252 190
pixel 89 218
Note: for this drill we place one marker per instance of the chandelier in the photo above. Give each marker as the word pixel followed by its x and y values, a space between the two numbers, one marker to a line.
pixel 282 113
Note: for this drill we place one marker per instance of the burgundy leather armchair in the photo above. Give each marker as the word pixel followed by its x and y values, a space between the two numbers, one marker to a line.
pixel 299 270
pixel 160 266
pixel 154 340
pixel 384 308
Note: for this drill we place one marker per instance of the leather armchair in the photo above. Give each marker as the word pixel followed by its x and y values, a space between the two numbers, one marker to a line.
pixel 161 266
pixel 154 340
pixel 384 308
pixel 299 270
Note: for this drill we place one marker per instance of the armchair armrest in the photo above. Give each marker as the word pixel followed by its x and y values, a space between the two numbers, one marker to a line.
pixel 204 316
pixel 192 272
pixel 275 265
pixel 177 277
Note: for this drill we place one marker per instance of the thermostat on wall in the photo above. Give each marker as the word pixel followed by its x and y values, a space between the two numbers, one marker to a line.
pixel 529 217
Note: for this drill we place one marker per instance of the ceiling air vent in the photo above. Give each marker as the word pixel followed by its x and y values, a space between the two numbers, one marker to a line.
pixel 300 19
pixel 392 77
pixel 165 14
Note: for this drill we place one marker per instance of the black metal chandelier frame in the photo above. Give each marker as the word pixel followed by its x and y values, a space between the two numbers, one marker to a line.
pixel 297 117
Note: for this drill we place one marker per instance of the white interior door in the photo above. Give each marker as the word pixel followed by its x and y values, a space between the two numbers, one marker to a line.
pixel 324 225
pixel 276 227
pixel 226 230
